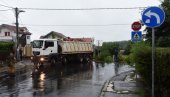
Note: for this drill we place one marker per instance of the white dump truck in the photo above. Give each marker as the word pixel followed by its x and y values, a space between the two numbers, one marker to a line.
pixel 54 51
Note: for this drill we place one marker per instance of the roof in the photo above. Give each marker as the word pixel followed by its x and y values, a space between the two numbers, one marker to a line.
pixel 21 30
pixel 55 33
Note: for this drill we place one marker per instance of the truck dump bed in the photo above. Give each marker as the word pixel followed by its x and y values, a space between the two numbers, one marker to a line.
pixel 76 47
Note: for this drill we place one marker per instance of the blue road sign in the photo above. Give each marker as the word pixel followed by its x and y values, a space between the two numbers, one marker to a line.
pixel 136 36
pixel 153 17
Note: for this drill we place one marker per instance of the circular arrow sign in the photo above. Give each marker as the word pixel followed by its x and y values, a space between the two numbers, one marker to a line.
pixel 136 26
pixel 153 17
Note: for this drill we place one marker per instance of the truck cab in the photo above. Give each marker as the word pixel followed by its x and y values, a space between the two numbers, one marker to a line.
pixel 43 47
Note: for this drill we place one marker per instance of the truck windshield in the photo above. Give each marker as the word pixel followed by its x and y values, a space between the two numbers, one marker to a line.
pixel 37 44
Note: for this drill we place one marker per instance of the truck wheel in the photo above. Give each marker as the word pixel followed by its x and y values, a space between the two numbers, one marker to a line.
pixel 81 59
pixel 65 60
pixel 87 59
pixel 53 61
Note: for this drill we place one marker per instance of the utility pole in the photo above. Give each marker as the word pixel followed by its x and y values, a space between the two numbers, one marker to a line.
pixel 98 48
pixel 17 11
pixel 17 38
pixel 98 43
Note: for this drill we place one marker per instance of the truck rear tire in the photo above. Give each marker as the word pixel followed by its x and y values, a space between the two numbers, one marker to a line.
pixel 86 59
pixel 53 61
pixel 81 59
pixel 65 60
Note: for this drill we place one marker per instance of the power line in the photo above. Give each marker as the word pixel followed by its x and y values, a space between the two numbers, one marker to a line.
pixel 79 25
pixel 6 6
pixel 53 9
pixel 5 3
pixel 6 10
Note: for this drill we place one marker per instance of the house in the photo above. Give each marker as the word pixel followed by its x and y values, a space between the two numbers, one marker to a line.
pixel 53 35
pixel 8 33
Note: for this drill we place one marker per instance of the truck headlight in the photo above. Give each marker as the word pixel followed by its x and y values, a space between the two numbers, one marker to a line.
pixel 41 59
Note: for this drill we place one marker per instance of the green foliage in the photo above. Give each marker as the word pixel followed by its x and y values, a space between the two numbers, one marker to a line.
pixel 163 42
pixel 139 49
pixel 141 56
pixel 122 44
pixel 126 59
pixel 164 30
pixel 6 46
pixel 108 59
pixel 128 48
pixel 162 71
pixel 140 92
pixel 108 50
pixel 166 6
pixel 53 35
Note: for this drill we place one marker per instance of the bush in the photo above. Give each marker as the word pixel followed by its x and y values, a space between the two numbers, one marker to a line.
pixel 6 46
pixel 5 49
pixel 141 56
pixel 162 72
pixel 108 59
pixel 127 59
pixel 163 42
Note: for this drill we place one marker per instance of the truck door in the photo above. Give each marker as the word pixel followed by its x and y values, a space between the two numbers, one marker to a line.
pixel 49 47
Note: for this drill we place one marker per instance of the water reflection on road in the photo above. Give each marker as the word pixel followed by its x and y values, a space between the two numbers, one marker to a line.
pixel 71 80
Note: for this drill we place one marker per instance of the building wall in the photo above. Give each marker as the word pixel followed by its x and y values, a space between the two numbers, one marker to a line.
pixel 12 33
pixel 2 32
pixel 22 40
pixel 11 37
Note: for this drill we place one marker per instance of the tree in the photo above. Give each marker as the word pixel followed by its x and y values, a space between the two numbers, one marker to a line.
pixel 163 31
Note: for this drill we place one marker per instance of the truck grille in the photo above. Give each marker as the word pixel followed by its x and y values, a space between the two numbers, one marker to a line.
pixel 36 52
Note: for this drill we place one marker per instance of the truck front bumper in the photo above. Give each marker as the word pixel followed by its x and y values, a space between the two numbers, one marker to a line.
pixel 39 59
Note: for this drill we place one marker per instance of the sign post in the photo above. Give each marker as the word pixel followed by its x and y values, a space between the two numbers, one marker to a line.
pixel 153 60
pixel 153 17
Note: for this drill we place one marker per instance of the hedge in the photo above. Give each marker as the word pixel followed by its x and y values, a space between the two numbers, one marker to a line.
pixel 6 46
pixel 141 56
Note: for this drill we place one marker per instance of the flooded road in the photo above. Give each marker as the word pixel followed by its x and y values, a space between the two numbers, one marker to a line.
pixel 71 80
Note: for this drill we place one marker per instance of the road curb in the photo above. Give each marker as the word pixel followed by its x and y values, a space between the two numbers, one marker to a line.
pixel 103 89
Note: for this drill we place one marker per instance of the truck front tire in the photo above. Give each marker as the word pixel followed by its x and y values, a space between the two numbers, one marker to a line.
pixel 53 61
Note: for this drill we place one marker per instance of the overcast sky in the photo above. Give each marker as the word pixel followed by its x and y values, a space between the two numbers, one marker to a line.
pixel 78 23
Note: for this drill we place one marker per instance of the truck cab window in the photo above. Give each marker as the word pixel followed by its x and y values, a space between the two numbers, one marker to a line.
pixel 49 44
pixel 37 44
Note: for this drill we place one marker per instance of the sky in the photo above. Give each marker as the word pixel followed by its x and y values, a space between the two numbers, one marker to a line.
pixel 102 25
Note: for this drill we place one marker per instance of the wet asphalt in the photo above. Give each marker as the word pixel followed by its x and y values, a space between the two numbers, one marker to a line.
pixel 71 80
